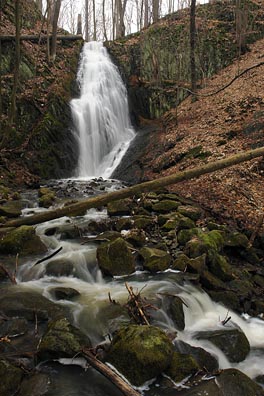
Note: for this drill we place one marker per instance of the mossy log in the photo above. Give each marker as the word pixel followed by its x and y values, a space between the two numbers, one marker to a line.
pixel 41 38
pixel 101 200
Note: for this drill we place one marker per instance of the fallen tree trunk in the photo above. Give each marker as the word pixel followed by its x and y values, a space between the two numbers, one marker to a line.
pixel 42 38
pixel 122 385
pixel 101 200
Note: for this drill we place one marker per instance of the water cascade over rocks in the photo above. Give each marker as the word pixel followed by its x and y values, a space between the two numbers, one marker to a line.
pixel 101 115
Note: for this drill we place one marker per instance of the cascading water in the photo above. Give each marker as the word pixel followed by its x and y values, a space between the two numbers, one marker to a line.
pixel 100 115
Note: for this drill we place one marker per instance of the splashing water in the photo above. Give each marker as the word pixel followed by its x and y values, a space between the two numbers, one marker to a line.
pixel 100 115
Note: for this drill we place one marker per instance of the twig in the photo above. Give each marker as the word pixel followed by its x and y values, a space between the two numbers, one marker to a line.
pixel 10 276
pixel 48 257
pixel 134 299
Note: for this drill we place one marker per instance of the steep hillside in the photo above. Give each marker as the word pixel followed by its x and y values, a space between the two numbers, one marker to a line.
pixel 212 128
pixel 39 142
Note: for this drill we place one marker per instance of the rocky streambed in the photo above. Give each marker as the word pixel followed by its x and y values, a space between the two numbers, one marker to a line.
pixel 199 283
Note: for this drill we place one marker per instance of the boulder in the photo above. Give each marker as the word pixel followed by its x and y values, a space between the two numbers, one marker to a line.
pixel 60 267
pixel 175 310
pixel 22 240
pixel 136 237
pixel 140 353
pixel 155 260
pixel 196 265
pixel 143 222
pixel 219 266
pixel 115 258
pixel 186 235
pixel 36 384
pixel 192 212
pixel 46 197
pixel 233 343
pixel 64 293
pixel 204 242
pixel 165 206
pixel 203 358
pixel 61 340
pixel 211 282
pixel 181 366
pixel 11 377
pixel 11 209
pixel 121 207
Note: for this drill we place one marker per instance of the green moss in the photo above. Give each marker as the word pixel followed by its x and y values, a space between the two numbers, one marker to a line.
pixel 155 259
pixel 22 240
pixel 181 366
pixel 140 352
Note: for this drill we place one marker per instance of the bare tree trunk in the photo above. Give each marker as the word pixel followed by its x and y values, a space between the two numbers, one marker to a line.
pixel 1 105
pixel 104 25
pixel 55 29
pixel 48 28
pixel 94 21
pixel 79 24
pixel 86 21
pixel 146 13
pixel 101 200
pixel 39 4
pixel 12 112
pixel 155 10
pixel 192 45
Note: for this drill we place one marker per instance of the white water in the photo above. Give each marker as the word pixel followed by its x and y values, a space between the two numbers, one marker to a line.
pixel 100 115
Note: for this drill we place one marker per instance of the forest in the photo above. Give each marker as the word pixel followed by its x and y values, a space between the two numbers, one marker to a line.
pixel 131 197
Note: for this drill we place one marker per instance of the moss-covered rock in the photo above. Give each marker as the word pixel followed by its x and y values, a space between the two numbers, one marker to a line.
pixel 142 222
pixel 196 265
pixel 11 209
pixel 204 242
pixel 115 258
pixel 233 343
pixel 22 240
pixel 61 340
pixel 121 207
pixel 35 384
pixel 186 235
pixel 233 382
pixel 191 212
pixel 219 266
pixel 140 353
pixel 181 366
pixel 60 267
pixel 155 260
pixel 165 206
pixel 136 237
pixel 11 377
pixel 211 282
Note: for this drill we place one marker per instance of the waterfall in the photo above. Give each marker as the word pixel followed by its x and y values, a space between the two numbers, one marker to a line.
pixel 100 115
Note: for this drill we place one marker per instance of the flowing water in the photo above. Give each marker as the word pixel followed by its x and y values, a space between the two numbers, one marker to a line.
pixel 101 116
pixel 104 131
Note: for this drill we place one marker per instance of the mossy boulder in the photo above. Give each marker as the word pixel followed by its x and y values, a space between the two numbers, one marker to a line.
pixel 211 282
pixel 140 353
pixel 61 340
pixel 11 209
pixel 233 343
pixel 11 377
pixel 121 207
pixel 236 239
pixel 46 197
pixel 196 265
pixel 181 366
pixel 35 384
pixel 186 235
pixel 22 240
pixel 123 224
pixel 136 237
pixel 142 222
pixel 204 242
pixel 165 206
pixel 191 212
pixel 219 266
pixel 155 260
pixel 115 258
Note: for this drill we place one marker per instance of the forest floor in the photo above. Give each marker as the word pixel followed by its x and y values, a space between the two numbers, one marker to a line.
pixel 212 128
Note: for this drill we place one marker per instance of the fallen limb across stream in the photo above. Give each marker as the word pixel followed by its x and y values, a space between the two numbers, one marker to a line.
pixel 103 199
pixel 121 384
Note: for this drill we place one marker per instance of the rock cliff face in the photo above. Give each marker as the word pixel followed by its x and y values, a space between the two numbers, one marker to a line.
pixel 156 60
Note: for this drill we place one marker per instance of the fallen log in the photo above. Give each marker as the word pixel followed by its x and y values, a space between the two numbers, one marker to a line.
pixel 122 385
pixel 36 38
pixel 103 199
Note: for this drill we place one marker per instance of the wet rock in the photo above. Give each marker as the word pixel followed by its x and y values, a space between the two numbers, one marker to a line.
pixel 175 310
pixel 136 237
pixel 181 366
pixel 228 298
pixel 22 240
pixel 233 343
pixel 108 236
pixel 242 287
pixel 11 377
pixel 192 212
pixel 36 384
pixel 143 222
pixel 13 326
pixel 46 197
pixel 236 239
pixel 124 224
pixel 186 235
pixel 15 302
pixel 232 383
pixel 219 266
pixel 121 207
pixel 211 282
pixel 111 317
pixel 60 267
pixel 140 353
pixel 155 260
pixel 64 293
pixel 196 265
pixel 11 209
pixel 165 206
pixel 204 242
pixel 61 340
pixel 203 358
pixel 115 258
